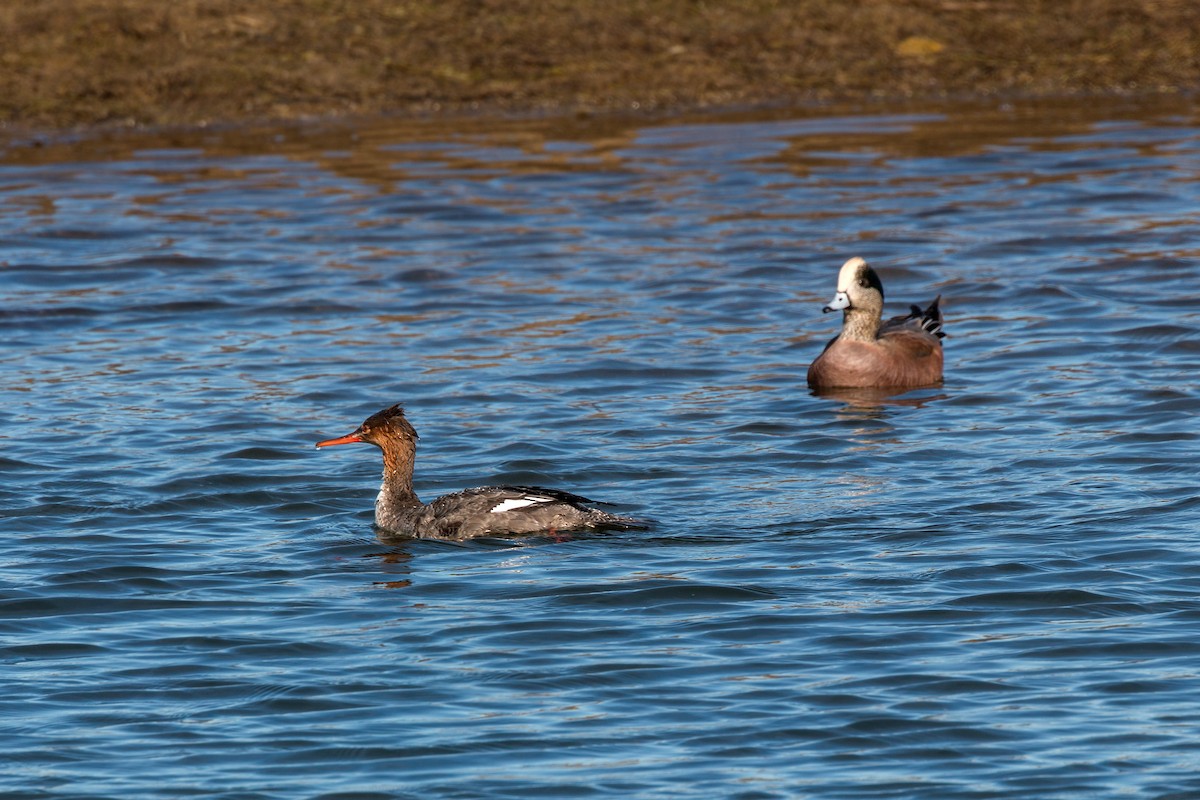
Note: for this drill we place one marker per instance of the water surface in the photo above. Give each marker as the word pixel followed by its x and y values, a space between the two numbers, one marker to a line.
pixel 984 589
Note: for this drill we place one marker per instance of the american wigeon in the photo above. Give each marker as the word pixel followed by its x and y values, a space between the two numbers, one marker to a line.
pixel 870 353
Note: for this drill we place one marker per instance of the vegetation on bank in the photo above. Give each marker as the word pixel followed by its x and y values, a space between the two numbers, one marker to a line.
pixel 68 63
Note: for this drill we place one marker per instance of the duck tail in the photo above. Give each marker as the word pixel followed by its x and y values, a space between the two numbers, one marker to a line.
pixel 931 318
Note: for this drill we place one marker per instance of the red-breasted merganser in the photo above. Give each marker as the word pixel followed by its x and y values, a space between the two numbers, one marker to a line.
pixel 494 510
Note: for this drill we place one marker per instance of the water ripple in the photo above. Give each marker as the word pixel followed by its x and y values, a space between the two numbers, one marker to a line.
pixel 984 589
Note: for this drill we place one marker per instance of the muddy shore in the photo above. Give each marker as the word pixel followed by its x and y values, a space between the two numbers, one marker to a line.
pixel 114 63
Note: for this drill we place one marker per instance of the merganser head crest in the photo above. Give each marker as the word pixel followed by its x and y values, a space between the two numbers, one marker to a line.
pixel 389 421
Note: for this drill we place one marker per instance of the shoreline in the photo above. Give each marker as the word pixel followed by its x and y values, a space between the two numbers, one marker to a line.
pixel 966 121
pixel 437 123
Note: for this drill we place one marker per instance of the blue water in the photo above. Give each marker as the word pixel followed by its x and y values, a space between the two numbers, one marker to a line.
pixel 984 590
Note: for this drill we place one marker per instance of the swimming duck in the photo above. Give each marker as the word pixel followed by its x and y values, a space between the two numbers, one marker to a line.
pixel 487 510
pixel 869 353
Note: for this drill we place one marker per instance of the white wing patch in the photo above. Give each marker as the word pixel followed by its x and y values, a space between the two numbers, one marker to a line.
pixel 519 502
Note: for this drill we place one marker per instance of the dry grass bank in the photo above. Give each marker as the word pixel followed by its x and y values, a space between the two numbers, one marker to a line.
pixel 83 62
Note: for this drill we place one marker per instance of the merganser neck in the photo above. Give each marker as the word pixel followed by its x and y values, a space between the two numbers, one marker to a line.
pixel 397 489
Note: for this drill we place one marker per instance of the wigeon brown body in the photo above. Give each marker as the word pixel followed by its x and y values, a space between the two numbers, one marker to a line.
pixel 870 353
